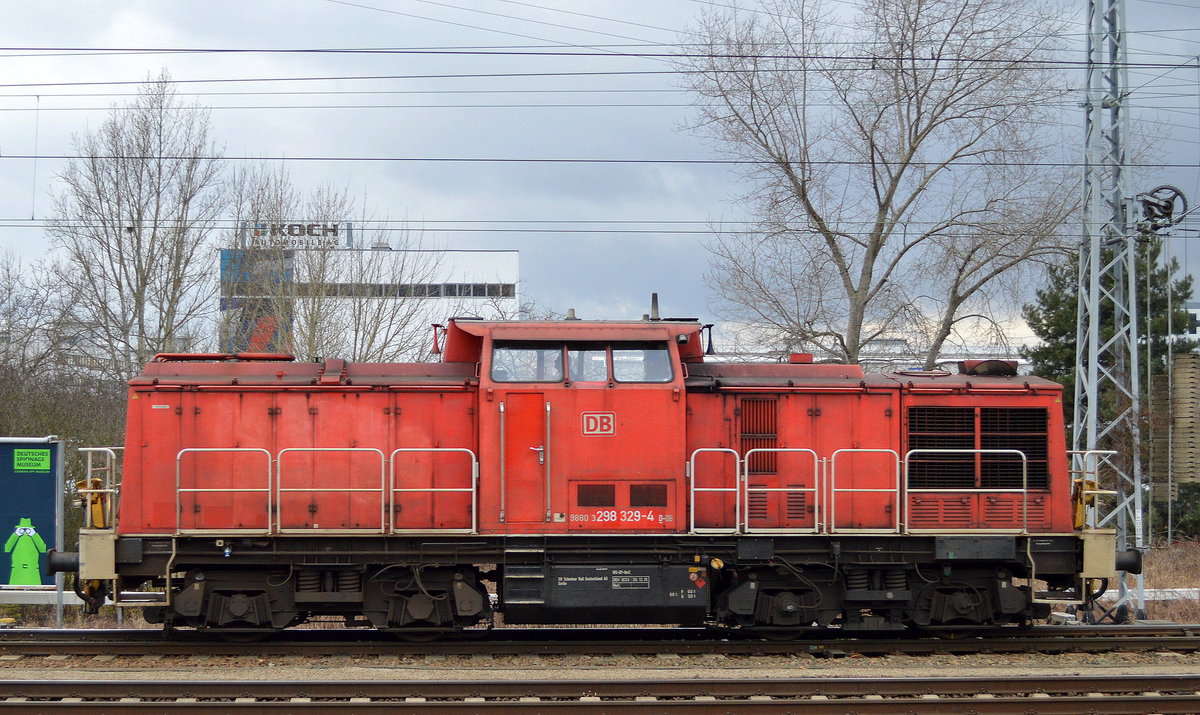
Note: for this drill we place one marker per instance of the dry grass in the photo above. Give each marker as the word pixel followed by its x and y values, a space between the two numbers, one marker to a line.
pixel 27 616
pixel 1176 567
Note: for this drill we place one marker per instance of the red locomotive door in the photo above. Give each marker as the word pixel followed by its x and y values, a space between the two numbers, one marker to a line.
pixel 524 457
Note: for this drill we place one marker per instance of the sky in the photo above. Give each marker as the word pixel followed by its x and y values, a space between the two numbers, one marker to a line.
pixel 597 235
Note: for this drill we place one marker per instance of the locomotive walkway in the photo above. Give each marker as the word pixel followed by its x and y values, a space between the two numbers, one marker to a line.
pixel 1093 694
pixel 87 643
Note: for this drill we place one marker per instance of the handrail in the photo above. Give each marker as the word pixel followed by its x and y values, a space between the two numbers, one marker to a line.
pixel 1024 490
pixel 815 489
pixel 280 489
pixel 180 490
pixel 1087 462
pixel 108 493
pixel 737 501
pixel 473 489
pixel 834 490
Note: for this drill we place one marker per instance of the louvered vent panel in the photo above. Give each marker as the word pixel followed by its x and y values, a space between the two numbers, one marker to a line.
pixel 797 505
pixel 756 507
pixel 934 512
pixel 1007 513
pixel 999 513
pixel 760 431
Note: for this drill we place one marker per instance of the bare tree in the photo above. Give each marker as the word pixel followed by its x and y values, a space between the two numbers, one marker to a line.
pixel 318 296
pixel 898 163
pixel 132 222
pixel 41 386
pixel 37 330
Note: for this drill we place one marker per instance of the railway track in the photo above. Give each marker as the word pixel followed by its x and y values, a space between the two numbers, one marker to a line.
pixel 1093 694
pixel 576 641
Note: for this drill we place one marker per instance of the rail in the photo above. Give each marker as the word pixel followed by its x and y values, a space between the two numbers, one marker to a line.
pixel 735 489
pixel 473 489
pixel 100 501
pixel 834 490
pixel 180 490
pixel 280 490
pixel 275 486
pixel 826 489
pixel 813 490
pixel 1085 471
pixel 1024 490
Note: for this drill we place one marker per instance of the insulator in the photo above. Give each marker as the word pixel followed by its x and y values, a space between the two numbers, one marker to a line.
pixel 857 579
pixel 308 581
pixel 349 581
pixel 895 579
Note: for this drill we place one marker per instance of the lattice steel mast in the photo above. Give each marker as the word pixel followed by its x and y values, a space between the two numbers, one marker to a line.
pixel 1107 389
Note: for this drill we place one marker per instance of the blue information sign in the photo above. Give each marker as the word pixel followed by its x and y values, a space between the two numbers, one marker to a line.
pixel 32 490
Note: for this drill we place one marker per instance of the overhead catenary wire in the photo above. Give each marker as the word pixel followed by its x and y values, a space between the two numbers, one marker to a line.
pixel 572 160
pixel 1012 63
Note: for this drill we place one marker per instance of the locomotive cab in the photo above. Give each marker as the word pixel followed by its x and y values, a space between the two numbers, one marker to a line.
pixel 582 430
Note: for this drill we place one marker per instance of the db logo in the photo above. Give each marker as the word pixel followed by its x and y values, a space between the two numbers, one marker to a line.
pixel 599 423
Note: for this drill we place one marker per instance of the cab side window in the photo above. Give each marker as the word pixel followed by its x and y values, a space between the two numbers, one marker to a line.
pixel 587 362
pixel 514 361
pixel 642 362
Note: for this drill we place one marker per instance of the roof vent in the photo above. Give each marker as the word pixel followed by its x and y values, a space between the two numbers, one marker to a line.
pixel 988 368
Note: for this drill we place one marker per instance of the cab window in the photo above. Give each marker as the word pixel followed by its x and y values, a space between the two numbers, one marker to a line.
pixel 641 362
pixel 587 362
pixel 514 361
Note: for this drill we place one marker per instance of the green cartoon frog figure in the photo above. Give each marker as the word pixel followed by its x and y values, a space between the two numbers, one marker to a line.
pixel 26 548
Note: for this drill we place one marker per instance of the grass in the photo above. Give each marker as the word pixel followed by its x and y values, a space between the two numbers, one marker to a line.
pixel 1176 567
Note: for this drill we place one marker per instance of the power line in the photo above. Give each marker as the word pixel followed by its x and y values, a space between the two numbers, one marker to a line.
pixel 544 105
pixel 450 22
pixel 346 78
pixel 1007 63
pixel 593 17
pixel 566 160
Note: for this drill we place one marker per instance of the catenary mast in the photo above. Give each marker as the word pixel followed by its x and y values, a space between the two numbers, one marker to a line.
pixel 1107 389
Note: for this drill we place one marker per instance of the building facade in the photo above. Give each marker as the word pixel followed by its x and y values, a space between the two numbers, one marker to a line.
pixel 365 304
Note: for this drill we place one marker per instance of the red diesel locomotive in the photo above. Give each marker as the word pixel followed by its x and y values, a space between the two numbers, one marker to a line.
pixel 587 472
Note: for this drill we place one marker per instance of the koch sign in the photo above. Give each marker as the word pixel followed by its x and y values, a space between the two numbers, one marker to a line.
pixel 299 234
pixel 30 480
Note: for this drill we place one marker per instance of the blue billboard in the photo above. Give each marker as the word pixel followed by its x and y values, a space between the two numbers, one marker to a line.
pixel 31 482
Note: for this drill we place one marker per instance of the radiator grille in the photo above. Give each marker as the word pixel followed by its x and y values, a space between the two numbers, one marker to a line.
pixel 941 419
pixel 941 428
pixel 965 428
pixel 1020 428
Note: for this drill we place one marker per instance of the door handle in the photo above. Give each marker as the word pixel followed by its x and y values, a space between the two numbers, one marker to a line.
pixel 541 450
